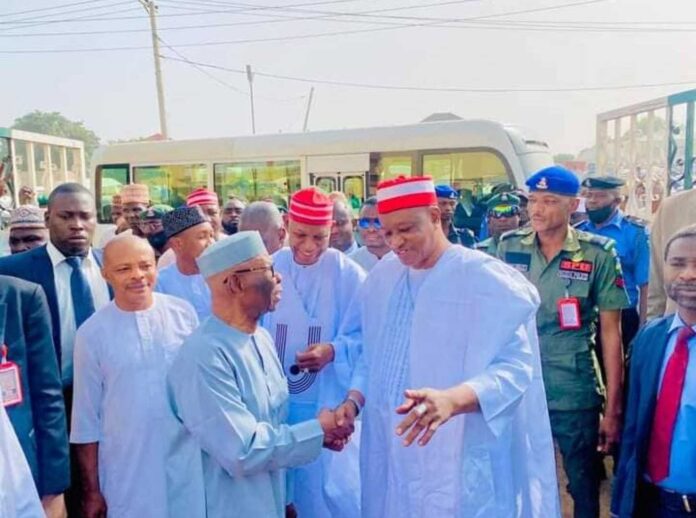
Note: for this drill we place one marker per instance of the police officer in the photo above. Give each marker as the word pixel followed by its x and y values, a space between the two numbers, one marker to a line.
pixel 503 215
pixel 602 195
pixel 579 280
pixel 152 229
pixel 447 201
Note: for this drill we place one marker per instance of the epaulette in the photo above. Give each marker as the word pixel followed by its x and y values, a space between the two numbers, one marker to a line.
pixel 520 232
pixel 603 242
pixel 640 222
pixel 482 244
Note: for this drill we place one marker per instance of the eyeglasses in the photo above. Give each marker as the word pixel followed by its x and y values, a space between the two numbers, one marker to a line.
pixel 364 223
pixel 258 269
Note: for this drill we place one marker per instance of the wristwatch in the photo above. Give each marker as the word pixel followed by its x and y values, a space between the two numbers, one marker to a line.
pixel 355 402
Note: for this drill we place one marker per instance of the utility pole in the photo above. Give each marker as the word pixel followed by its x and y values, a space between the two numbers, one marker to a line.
pixel 309 105
pixel 151 9
pixel 250 78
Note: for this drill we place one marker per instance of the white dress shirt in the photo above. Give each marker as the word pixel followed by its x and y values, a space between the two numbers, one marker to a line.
pixel 100 293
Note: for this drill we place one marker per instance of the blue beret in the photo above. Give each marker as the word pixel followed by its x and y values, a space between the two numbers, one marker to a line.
pixel 182 218
pixel 445 191
pixel 555 180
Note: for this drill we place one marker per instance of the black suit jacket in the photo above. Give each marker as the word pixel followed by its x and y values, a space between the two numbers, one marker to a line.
pixel 39 421
pixel 648 351
pixel 35 266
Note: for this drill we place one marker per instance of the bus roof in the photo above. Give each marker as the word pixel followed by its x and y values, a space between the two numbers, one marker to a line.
pixel 425 135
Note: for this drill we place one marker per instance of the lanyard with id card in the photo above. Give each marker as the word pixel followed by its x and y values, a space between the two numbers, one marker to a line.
pixel 569 311
pixel 10 383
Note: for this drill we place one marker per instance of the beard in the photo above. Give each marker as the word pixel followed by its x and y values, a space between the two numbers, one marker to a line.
pixel 684 294
pixel 230 227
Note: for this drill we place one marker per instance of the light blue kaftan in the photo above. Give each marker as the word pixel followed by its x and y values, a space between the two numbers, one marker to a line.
pixel 192 288
pixel 229 390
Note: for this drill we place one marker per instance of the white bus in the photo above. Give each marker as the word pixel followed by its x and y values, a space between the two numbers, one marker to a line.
pixel 469 155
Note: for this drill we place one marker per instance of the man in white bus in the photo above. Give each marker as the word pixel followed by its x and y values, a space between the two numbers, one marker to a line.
pixel 188 232
pixel 342 237
pixel 209 204
pixel 135 198
pixel 319 286
pixel 374 245
pixel 265 218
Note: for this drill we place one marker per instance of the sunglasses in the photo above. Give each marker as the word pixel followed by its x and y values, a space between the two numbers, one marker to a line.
pixel 504 213
pixel 364 223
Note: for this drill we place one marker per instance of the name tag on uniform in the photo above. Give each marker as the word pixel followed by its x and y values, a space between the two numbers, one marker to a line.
pixel 520 261
pixel 575 270
pixel 569 313
pixel 10 383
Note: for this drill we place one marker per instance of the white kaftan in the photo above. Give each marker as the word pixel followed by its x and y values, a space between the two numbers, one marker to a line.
pixel 120 401
pixel 18 496
pixel 469 319
pixel 364 258
pixel 191 288
pixel 229 390
pixel 314 304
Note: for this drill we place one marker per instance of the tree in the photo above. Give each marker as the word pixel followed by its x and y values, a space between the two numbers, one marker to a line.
pixel 54 123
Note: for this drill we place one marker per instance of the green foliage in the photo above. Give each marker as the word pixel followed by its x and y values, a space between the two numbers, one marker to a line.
pixel 54 123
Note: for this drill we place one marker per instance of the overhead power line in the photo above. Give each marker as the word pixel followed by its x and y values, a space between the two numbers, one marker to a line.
pixel 288 38
pixel 373 86
pixel 51 8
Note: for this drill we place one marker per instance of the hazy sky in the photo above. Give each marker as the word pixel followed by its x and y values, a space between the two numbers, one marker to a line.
pixel 113 92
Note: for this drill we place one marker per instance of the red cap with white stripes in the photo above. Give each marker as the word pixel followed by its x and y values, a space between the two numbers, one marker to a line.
pixel 405 193
pixel 311 207
pixel 201 196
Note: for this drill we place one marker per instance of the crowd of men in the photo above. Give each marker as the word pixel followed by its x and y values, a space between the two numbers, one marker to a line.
pixel 242 360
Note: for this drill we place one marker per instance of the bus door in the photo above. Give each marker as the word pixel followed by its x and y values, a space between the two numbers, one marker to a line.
pixel 343 173
pixel 680 152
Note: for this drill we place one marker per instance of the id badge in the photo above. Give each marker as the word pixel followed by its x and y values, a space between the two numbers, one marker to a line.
pixel 569 313
pixel 10 383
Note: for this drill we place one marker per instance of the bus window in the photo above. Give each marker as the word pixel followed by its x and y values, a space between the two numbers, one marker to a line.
pixel 327 183
pixel 109 180
pixel 385 166
pixel 170 184
pixel 354 189
pixel 272 180
pixel 477 171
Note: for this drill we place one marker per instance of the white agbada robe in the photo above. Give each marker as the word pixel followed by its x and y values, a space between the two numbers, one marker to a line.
pixel 191 288
pixel 120 401
pixel 18 496
pixel 470 319
pixel 364 258
pixel 315 301
pixel 229 390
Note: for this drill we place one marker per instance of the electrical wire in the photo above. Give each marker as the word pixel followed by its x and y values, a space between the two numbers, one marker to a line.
pixel 373 86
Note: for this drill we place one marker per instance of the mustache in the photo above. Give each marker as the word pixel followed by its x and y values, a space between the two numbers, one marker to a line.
pixel 689 286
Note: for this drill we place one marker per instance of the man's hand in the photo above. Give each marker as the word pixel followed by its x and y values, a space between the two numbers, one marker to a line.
pixel 427 410
pixel 93 505
pixel 609 434
pixel 335 436
pixel 54 506
pixel 315 357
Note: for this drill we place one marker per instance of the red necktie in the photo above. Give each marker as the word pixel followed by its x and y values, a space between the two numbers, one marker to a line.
pixel 667 408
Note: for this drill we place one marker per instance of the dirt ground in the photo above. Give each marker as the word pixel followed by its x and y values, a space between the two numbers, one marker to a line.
pixel 604 496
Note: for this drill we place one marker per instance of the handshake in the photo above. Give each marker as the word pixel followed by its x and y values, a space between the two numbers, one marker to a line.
pixel 338 425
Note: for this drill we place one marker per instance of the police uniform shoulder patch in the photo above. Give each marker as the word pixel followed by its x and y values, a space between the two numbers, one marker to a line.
pixel 601 241
pixel 636 220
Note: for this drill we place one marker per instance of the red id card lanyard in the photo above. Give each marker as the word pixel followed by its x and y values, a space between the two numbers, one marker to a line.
pixel 10 383
pixel 569 312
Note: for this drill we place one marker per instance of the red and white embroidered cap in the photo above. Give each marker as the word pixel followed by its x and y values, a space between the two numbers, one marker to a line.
pixel 311 206
pixel 405 193
pixel 201 196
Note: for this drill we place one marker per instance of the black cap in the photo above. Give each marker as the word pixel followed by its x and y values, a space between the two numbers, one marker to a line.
pixel 602 182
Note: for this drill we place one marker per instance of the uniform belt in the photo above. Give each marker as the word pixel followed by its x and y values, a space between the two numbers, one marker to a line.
pixel 672 500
